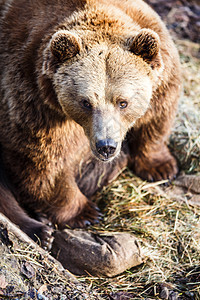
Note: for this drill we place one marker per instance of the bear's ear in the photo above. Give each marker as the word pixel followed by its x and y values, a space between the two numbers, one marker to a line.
pixel 146 44
pixel 65 44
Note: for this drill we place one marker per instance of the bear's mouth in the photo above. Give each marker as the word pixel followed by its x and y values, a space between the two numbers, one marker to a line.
pixel 101 158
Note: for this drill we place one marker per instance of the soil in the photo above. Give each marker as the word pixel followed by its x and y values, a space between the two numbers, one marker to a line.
pixel 182 17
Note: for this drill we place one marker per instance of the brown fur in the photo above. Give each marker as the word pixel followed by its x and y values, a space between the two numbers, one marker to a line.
pixel 74 73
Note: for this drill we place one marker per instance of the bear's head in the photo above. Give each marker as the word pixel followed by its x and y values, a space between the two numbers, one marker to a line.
pixel 104 87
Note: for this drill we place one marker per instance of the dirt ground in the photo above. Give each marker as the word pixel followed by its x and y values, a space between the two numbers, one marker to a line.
pixel 169 231
pixel 182 17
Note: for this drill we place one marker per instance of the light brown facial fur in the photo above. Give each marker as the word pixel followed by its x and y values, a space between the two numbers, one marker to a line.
pixel 104 89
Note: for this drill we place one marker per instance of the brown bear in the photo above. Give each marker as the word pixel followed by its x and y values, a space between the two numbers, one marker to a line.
pixel 86 88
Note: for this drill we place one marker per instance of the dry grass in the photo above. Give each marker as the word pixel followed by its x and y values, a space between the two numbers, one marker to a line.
pixel 168 231
pixel 185 138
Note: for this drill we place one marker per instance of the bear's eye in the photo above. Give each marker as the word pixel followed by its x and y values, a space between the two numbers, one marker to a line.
pixel 86 104
pixel 122 104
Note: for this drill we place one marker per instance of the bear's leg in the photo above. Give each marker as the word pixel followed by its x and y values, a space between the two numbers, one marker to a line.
pixel 155 164
pixel 89 215
pixel 79 211
pixel 36 230
pixel 150 156
pixel 73 209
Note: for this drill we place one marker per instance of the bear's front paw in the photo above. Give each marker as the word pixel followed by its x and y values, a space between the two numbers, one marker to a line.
pixel 156 169
pixel 40 233
pixel 46 234
pixel 46 238
pixel 90 215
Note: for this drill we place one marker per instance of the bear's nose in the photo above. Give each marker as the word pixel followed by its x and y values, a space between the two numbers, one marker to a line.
pixel 106 147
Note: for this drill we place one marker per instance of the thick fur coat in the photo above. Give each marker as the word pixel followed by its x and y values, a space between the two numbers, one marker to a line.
pixel 86 88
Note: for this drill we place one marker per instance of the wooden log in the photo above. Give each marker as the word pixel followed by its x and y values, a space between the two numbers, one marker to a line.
pixel 107 254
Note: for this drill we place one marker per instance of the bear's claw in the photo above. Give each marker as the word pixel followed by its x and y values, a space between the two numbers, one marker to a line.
pixel 90 215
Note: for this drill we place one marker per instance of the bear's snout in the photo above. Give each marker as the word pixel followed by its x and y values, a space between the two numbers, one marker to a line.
pixel 106 148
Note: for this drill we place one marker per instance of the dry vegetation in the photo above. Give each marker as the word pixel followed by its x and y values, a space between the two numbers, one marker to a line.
pixel 185 139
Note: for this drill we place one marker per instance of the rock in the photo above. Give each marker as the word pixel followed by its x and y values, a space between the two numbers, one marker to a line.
pixel 186 188
pixel 191 182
